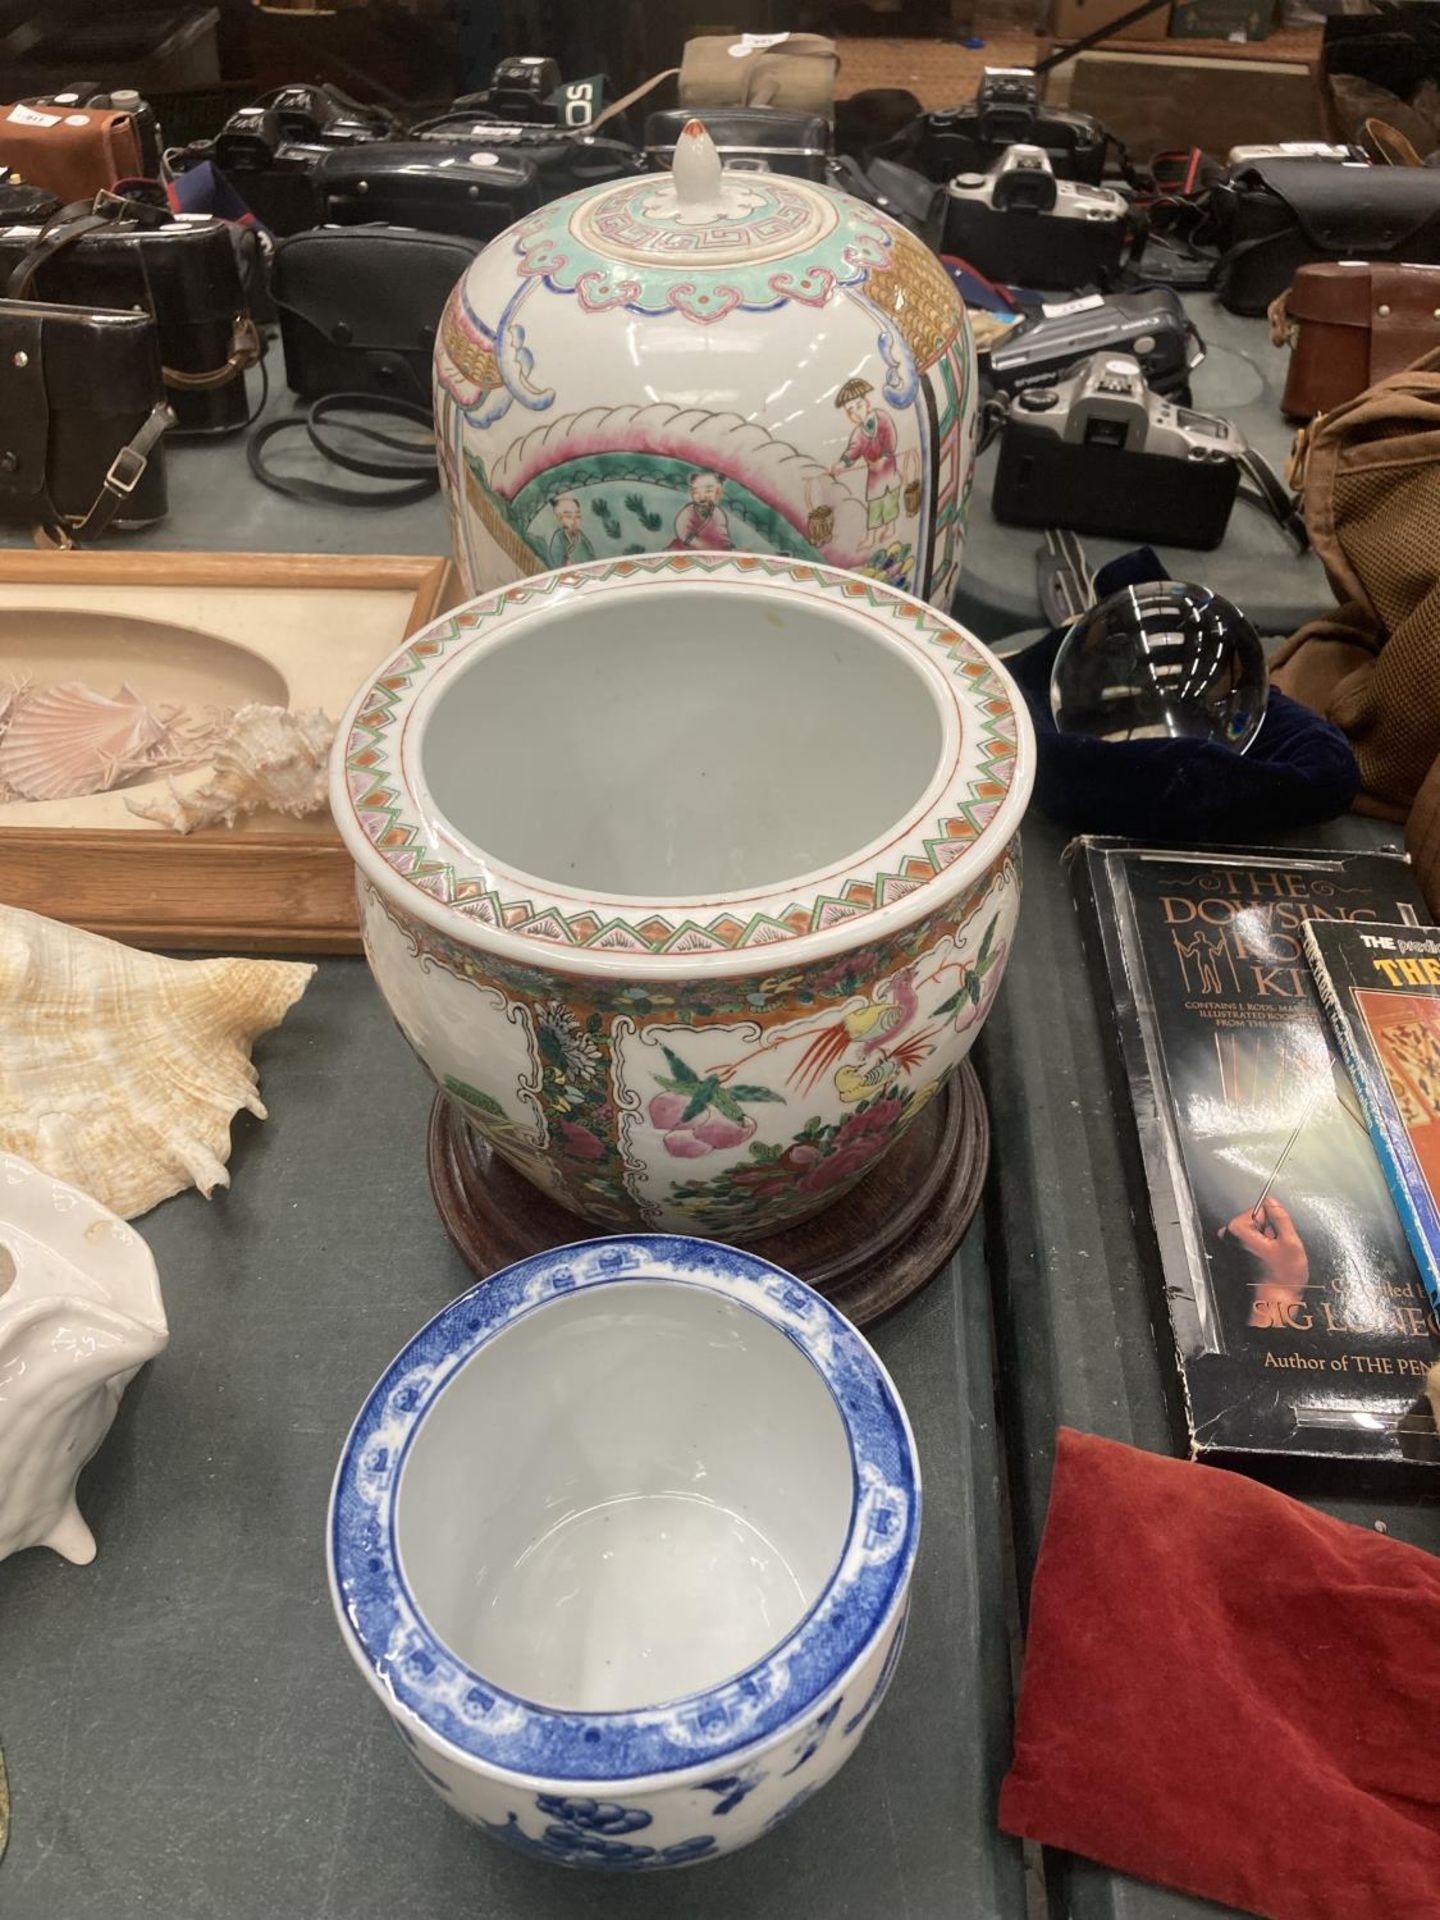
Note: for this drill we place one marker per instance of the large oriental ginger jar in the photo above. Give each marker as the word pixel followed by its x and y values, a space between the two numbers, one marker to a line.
pixel 707 362
pixel 690 878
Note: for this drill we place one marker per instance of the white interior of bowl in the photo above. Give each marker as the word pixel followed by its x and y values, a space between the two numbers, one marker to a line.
pixel 630 1495
pixel 682 741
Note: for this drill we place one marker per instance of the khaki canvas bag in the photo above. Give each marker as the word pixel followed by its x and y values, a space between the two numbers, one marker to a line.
pixel 795 71
pixel 1371 477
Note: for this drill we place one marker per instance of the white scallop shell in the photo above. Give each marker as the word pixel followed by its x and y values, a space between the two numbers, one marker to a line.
pixel 120 1071
pixel 266 757
pixel 69 740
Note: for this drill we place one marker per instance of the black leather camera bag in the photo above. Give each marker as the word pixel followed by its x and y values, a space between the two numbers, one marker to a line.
pixel 82 412
pixel 359 307
pixel 1275 216
pixel 185 272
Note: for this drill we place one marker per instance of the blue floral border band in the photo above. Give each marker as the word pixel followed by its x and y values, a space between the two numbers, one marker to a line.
pixel 419 1673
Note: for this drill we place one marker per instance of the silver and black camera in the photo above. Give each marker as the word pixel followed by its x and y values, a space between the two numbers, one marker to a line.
pixel 1153 326
pixel 1019 224
pixel 1100 453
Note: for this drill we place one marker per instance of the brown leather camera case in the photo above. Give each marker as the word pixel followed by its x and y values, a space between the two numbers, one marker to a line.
pixel 1349 324
pixel 70 152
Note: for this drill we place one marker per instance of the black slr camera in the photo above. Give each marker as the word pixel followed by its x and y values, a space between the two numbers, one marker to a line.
pixel 1006 112
pixel 521 91
pixel 1019 224
pixel 270 150
pixel 1101 454
pixel 527 118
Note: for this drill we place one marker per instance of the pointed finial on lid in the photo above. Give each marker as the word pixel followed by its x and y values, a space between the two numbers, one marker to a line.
pixel 696 168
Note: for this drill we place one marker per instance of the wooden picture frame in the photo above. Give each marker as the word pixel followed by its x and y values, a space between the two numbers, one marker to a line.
pixel 231 889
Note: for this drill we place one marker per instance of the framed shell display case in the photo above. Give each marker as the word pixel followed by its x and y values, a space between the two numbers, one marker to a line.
pixel 143 694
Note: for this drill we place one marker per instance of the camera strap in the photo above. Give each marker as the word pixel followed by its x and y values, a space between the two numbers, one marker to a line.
pixel 416 467
pixel 124 474
pixel 1272 495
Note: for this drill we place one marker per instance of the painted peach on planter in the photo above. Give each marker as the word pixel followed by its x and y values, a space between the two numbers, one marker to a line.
pixel 689 878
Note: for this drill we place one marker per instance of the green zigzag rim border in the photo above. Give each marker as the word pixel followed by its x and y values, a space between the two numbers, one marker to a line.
pixel 379 807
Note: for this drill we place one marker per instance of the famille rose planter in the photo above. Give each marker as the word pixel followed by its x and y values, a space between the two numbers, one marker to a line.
pixel 689 878
pixel 708 361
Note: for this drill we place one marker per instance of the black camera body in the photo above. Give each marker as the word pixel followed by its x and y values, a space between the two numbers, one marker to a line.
pixel 1007 112
pixel 1152 326
pixel 271 149
pixel 428 186
pixel 520 92
pixel 302 116
pixel 1019 224
pixel 563 162
pixel 1101 454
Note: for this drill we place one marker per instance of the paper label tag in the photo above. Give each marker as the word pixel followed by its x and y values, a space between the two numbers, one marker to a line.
pixel 1062 309
pixel 28 117
pixel 749 43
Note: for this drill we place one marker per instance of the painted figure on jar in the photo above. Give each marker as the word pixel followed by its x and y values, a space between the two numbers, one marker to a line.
pixel 872 443
pixel 702 525
pixel 569 543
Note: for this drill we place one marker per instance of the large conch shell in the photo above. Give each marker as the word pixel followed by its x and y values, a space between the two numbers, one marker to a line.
pixel 80 1313
pixel 267 757
pixel 121 1071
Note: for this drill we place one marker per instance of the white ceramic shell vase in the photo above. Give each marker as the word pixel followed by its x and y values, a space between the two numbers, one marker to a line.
pixel 708 362
pixel 80 1313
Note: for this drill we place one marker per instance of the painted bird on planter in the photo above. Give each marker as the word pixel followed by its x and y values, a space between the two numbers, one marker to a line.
pixel 891 1008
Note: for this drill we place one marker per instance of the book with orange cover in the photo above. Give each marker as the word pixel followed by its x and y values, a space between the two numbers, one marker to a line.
pixel 1380 985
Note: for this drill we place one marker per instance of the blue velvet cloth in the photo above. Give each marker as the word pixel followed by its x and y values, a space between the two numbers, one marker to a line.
pixel 1299 770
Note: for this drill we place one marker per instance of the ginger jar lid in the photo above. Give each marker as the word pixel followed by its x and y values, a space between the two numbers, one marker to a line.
pixel 703 241
pixel 700 213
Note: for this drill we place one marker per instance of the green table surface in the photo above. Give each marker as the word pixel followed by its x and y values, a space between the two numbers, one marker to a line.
pixel 186 1735
pixel 1066 1251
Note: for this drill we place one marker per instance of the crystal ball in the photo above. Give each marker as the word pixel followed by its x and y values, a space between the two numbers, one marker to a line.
pixel 1162 661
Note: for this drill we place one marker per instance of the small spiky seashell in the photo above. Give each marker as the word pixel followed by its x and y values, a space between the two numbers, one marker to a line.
pixel 267 757
pixel 69 740
pixel 120 1071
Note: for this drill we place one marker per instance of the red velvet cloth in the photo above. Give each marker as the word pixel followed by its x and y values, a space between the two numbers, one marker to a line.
pixel 1229 1693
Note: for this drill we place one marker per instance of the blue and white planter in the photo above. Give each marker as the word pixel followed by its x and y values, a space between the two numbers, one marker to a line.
pixel 690 1777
